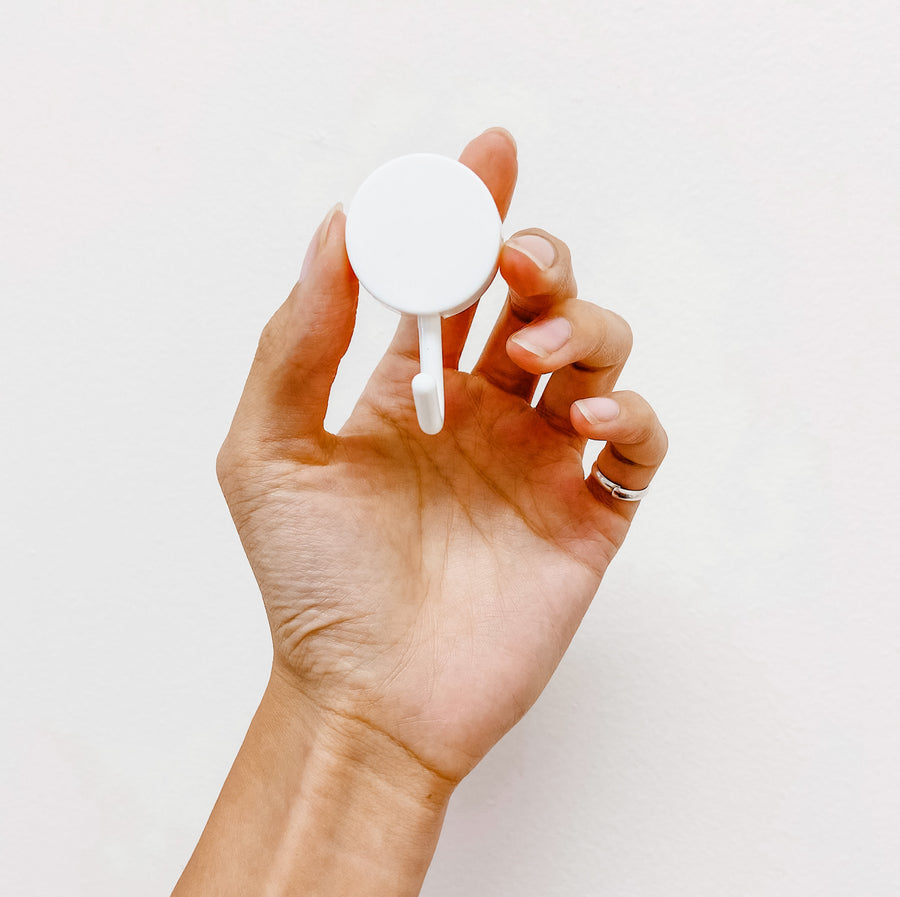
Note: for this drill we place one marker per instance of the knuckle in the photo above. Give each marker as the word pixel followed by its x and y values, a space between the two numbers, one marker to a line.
pixel 634 401
pixel 616 337
pixel 269 340
pixel 663 438
pixel 646 428
pixel 524 309
pixel 227 465
pixel 625 336
pixel 606 338
pixel 639 413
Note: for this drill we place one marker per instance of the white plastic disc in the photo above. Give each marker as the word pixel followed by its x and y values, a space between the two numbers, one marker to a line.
pixel 423 235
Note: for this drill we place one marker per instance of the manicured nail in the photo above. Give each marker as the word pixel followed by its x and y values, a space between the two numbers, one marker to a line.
pixel 545 338
pixel 320 238
pixel 598 410
pixel 540 250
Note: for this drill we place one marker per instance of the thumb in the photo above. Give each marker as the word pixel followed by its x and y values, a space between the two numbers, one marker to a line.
pixel 300 348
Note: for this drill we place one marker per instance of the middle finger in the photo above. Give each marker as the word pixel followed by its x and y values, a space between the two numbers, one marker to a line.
pixel 588 363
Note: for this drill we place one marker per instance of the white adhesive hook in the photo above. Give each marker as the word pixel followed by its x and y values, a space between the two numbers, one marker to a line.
pixel 423 237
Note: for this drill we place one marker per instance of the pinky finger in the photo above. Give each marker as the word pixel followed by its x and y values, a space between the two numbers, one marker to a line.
pixel 636 443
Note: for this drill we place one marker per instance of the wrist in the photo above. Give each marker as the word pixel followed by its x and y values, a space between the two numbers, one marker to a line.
pixel 318 804
pixel 374 807
pixel 348 745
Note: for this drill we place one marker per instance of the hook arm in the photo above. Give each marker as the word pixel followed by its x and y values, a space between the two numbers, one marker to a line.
pixel 428 384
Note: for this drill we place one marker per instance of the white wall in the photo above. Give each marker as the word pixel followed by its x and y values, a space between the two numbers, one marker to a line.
pixel 726 173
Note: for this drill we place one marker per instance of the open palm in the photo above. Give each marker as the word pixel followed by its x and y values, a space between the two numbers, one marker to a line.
pixel 427 586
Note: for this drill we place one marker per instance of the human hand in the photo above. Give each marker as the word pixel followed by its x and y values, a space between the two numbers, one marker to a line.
pixel 426 587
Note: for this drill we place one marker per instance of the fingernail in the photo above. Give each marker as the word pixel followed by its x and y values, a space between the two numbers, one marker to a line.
pixel 540 250
pixel 545 338
pixel 598 410
pixel 320 238
pixel 503 131
pixel 326 227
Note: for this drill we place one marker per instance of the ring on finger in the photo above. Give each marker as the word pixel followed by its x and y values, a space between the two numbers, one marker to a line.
pixel 616 490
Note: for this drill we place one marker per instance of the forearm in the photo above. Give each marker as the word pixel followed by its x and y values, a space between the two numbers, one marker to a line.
pixel 315 808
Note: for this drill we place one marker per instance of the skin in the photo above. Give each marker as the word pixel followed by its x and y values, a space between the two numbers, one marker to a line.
pixel 420 589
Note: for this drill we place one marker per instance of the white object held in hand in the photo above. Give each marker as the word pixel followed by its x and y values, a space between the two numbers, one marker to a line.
pixel 423 237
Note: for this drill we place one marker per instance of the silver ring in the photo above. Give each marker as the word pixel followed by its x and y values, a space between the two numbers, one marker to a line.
pixel 618 491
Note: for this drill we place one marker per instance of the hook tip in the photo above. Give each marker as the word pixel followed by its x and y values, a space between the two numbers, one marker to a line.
pixel 428 403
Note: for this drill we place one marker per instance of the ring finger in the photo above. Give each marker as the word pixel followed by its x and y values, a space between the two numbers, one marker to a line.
pixel 636 444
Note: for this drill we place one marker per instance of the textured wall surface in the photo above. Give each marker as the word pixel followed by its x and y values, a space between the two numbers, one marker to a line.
pixel 726 174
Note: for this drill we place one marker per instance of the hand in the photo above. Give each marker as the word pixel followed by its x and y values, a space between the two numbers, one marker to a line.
pixel 426 587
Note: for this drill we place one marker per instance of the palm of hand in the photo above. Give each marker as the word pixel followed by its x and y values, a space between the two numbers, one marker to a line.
pixel 425 585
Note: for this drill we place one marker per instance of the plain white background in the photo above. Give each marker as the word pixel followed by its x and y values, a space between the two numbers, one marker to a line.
pixel 726 174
